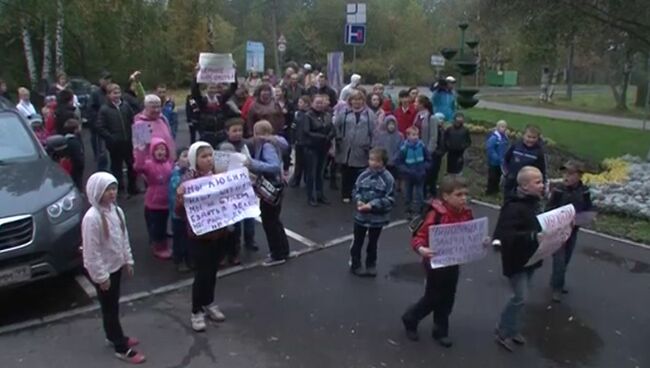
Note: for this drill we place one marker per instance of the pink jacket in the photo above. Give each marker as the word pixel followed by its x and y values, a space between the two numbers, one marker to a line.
pixel 159 129
pixel 157 174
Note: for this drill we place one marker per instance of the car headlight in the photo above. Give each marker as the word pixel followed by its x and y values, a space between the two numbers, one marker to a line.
pixel 64 207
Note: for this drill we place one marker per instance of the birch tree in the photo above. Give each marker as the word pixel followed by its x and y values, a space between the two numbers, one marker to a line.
pixel 29 54
pixel 60 62
pixel 47 53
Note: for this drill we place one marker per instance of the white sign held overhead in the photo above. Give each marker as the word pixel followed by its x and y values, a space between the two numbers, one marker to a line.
pixel 437 60
pixel 356 13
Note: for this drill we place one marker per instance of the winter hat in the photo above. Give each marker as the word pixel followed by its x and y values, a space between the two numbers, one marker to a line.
pixel 194 150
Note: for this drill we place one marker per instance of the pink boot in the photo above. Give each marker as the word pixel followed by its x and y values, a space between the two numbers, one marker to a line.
pixel 161 251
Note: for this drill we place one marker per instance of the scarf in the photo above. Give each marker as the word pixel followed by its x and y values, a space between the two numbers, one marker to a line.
pixel 414 153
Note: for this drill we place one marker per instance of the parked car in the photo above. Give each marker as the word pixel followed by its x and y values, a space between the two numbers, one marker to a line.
pixel 41 211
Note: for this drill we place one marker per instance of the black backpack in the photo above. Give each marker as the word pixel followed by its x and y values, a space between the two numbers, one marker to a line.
pixel 416 223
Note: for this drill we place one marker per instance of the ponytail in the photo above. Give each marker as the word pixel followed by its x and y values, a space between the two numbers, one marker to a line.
pixel 107 233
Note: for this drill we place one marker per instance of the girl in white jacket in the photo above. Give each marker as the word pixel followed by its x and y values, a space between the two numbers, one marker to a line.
pixel 106 252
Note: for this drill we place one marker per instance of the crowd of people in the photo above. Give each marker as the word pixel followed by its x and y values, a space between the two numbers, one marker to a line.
pixel 367 144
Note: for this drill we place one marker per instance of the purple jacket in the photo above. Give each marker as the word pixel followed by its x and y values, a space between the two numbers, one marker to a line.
pixel 157 175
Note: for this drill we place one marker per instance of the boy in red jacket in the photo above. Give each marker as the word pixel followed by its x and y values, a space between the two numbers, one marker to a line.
pixel 440 290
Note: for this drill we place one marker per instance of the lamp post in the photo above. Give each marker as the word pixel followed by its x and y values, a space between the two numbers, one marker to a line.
pixel 466 65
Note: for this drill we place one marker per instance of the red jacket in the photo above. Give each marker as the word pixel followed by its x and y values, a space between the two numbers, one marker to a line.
pixel 404 118
pixel 441 214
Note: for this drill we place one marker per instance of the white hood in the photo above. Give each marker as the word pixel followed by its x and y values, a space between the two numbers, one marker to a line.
pixel 194 149
pixel 355 79
pixel 96 186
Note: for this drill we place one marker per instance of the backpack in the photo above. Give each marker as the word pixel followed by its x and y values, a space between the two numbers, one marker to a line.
pixel 416 223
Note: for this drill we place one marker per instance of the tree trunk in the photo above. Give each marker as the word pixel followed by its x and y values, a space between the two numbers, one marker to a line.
pixel 211 33
pixel 622 102
pixel 60 62
pixel 47 54
pixel 569 69
pixel 29 55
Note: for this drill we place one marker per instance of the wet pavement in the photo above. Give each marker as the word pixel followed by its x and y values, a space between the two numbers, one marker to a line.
pixel 312 313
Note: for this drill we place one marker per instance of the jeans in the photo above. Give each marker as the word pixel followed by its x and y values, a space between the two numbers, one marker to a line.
pixel 455 162
pixel 249 232
pixel 207 256
pixel 414 194
pixel 561 260
pixel 122 153
pixel 510 323
pixel 180 244
pixel 349 177
pixel 439 296
pixel 314 167
pixel 156 225
pixel 109 302
pixel 371 251
pixel 494 177
pixel 99 151
pixel 274 230
pixel 194 130
pixel 299 166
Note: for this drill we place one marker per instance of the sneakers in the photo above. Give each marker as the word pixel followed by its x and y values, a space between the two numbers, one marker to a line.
pixel 270 262
pixel 506 342
pixel 411 331
pixel 519 339
pixel 251 247
pixel 214 313
pixel 323 200
pixel 162 251
pixel 357 271
pixel 557 296
pixel 346 200
pixel 313 203
pixel 496 243
pixel 371 271
pixel 131 356
pixel 198 321
pixel 444 341
pixel 130 342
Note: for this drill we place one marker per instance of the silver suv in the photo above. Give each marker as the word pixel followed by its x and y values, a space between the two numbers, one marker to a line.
pixel 40 209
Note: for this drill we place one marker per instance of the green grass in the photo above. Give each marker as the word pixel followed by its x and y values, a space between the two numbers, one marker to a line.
pixel 597 103
pixel 589 141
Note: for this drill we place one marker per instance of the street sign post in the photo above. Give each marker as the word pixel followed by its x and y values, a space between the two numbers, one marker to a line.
pixel 355 28
pixel 437 60
pixel 355 34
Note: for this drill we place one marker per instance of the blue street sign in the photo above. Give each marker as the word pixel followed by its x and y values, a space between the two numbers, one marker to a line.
pixel 355 34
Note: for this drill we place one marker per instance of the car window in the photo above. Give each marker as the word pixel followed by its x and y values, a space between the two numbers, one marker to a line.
pixel 16 142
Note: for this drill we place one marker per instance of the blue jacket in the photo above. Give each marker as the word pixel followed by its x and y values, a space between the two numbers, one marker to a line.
pixel 377 189
pixel 520 155
pixel 444 102
pixel 174 182
pixel 413 170
pixel 267 161
pixel 171 116
pixel 496 147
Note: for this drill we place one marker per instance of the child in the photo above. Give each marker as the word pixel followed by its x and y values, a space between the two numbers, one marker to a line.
pixel 235 136
pixel 373 195
pixel 391 141
pixel 180 249
pixel 412 161
pixel 233 241
pixel 496 147
pixel 106 252
pixel 208 249
pixel 304 102
pixel 440 289
pixel 457 139
pixel 157 171
pixel 405 112
pixel 39 130
pixel 519 232
pixel 570 191
pixel 527 152
pixel 72 130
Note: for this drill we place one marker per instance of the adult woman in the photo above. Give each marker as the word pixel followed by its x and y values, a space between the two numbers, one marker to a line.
pixel 288 112
pixel 151 119
pixel 252 81
pixel 265 108
pixel 376 107
pixel 355 127
pixel 267 162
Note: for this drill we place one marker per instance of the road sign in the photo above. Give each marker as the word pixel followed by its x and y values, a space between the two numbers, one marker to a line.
pixel 282 39
pixel 437 60
pixel 356 13
pixel 254 56
pixel 282 47
pixel 355 34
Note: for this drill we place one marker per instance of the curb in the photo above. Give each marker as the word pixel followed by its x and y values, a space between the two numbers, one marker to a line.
pixel 588 231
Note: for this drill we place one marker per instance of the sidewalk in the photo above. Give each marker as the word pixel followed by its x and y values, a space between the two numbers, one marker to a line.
pixel 563 114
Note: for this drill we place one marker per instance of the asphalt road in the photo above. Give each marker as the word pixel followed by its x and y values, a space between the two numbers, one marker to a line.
pixel 312 313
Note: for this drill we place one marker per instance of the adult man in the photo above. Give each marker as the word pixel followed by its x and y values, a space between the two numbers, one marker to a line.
pixel 65 110
pixel 114 121
pixel 294 90
pixel 97 100
pixel 322 88
pixel 151 120
pixel 24 106
pixel 168 106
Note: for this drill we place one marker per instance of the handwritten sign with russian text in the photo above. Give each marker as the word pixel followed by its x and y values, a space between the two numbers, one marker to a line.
pixel 458 243
pixel 557 227
pixel 221 200
pixel 215 68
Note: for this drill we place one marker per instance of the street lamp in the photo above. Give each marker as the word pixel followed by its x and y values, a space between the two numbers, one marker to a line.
pixel 466 65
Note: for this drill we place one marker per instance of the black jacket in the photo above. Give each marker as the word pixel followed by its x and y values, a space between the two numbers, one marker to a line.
pixel 579 196
pixel 76 153
pixel 114 124
pixel 314 129
pixel 325 90
pixel 517 229
pixel 97 100
pixel 62 114
pixel 457 139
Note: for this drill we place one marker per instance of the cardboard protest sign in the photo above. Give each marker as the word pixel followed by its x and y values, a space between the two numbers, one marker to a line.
pixel 228 161
pixel 458 243
pixel 215 68
pixel 557 225
pixel 141 135
pixel 221 200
